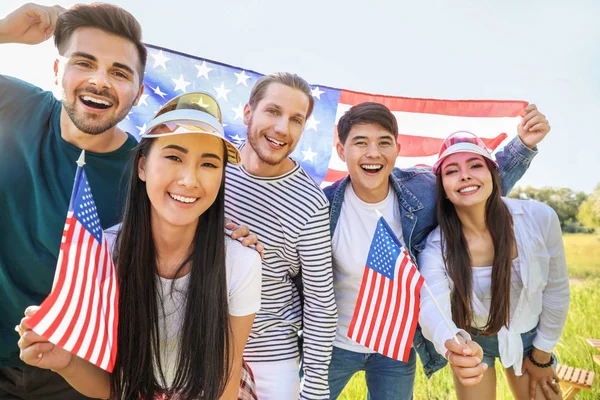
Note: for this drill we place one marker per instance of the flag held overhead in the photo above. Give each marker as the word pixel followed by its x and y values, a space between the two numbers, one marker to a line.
pixel 423 124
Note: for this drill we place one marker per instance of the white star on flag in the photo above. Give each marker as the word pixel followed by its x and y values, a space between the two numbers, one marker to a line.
pixel 239 112
pixel 143 100
pixel 242 78
pixel 180 84
pixel 127 117
pixel 309 155
pixel 142 129
pixel 203 70
pixel 160 59
pixel 237 139
pixel 316 92
pixel 158 92
pixel 427 120
pixel 222 92
pixel 312 123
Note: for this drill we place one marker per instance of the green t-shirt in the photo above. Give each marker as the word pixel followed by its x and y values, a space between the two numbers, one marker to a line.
pixel 37 169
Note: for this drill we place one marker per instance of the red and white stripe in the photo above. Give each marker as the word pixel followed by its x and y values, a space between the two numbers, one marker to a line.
pixel 80 314
pixel 423 124
pixel 387 311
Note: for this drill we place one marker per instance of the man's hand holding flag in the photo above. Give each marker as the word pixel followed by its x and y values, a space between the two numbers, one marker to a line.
pixel 80 314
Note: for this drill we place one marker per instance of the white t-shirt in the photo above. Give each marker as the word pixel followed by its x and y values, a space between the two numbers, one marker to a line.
pixel 351 242
pixel 243 286
pixel 244 279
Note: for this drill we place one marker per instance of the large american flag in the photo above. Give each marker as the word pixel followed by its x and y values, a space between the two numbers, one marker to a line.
pixel 81 313
pixel 387 308
pixel 423 123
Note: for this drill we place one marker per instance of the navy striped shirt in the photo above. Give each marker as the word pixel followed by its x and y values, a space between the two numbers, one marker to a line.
pixel 290 216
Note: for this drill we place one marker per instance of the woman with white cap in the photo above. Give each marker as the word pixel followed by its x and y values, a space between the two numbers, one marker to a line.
pixel 188 293
pixel 497 265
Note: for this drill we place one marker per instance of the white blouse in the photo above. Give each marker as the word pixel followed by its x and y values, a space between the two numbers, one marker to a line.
pixel 543 300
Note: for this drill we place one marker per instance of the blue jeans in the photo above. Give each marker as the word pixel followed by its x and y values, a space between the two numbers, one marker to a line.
pixel 386 378
pixel 489 345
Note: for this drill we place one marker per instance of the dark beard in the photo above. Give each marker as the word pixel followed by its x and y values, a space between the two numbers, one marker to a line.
pixel 87 123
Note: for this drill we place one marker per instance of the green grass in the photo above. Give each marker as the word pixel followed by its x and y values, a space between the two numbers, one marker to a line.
pixel 583 255
pixel 583 259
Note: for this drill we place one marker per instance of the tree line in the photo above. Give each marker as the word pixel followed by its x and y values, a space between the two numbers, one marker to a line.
pixel 577 211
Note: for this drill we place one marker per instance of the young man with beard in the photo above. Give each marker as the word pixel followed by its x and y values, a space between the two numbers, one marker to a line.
pixel 100 72
pixel 368 135
pixel 288 211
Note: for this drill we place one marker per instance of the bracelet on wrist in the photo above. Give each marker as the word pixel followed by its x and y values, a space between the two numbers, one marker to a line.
pixel 537 364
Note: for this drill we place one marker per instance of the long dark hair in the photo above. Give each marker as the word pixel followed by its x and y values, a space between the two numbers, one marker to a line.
pixel 457 259
pixel 203 359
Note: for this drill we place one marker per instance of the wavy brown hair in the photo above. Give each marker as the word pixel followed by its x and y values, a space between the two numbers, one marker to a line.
pixel 457 259
pixel 259 90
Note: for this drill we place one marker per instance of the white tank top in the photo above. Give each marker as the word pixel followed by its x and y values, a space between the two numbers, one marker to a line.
pixel 482 284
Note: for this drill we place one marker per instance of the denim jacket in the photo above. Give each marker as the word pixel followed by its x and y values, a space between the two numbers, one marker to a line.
pixel 415 188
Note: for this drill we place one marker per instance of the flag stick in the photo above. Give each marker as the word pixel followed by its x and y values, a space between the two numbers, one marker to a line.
pixel 81 160
pixel 380 215
pixel 441 312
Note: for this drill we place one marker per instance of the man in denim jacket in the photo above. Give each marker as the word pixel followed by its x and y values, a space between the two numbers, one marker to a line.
pixel 406 198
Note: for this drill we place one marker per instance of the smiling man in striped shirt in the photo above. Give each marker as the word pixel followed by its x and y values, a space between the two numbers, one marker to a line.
pixel 290 214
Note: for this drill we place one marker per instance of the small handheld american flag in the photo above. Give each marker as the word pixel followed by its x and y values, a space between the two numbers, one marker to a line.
pixel 387 309
pixel 81 313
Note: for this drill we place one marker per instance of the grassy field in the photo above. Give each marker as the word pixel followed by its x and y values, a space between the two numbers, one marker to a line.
pixel 583 259
pixel 583 255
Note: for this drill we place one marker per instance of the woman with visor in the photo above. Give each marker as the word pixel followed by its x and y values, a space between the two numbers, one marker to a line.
pixel 188 293
pixel 497 265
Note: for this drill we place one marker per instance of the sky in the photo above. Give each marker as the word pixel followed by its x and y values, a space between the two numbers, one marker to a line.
pixel 544 52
